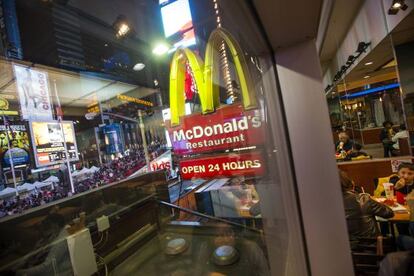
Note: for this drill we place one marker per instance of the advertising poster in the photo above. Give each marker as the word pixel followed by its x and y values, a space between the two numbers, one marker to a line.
pixel 48 142
pixel 114 142
pixel 33 90
pixel 19 142
pixel 396 163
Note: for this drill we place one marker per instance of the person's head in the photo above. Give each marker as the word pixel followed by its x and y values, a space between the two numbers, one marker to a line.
pixel 346 182
pixel 357 147
pixel 403 127
pixel 343 137
pixel 387 124
pixel 406 171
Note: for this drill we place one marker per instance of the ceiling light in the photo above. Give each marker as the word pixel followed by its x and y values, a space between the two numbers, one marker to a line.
pixel 368 63
pixel 139 66
pixel 121 26
pixel 160 49
pixel 365 77
pixel 396 6
pixel 123 29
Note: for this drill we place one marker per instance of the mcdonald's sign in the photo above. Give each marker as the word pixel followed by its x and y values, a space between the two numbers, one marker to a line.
pixel 217 128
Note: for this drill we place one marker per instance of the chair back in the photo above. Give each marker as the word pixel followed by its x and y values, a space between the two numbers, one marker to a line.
pixel 369 253
pixel 405 148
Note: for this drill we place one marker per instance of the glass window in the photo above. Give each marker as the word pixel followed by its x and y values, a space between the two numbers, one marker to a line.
pixel 147 135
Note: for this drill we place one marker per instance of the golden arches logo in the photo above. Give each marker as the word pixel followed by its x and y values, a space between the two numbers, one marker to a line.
pixel 206 76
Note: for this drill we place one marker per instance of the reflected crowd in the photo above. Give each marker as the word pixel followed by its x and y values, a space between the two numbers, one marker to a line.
pixel 116 170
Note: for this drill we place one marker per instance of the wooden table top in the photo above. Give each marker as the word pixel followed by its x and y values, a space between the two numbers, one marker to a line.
pixel 399 216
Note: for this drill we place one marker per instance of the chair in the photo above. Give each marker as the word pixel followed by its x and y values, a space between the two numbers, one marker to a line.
pixel 369 253
pixel 375 183
pixel 405 149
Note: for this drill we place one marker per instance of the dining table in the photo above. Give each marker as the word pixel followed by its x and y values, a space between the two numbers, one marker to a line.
pixel 401 215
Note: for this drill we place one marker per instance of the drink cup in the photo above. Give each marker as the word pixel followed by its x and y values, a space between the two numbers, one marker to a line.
pixel 389 190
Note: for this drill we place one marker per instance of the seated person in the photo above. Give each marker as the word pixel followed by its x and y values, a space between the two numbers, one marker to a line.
pixel 57 260
pixel 397 263
pixel 406 242
pixel 402 133
pixel 344 144
pixel 385 137
pixel 403 180
pixel 357 152
pixel 360 212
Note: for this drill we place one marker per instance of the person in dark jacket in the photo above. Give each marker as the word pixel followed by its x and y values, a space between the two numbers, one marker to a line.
pixel 360 212
pixel 397 264
pixel 386 135
pixel 356 152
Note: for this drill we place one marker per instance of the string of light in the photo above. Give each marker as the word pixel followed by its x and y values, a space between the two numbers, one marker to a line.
pixel 224 59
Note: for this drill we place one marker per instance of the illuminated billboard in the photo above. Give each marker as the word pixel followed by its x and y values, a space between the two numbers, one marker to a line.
pixel 176 18
pixel 16 136
pixel 48 142
pixel 114 142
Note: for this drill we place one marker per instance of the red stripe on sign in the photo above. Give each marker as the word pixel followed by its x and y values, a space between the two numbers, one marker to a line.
pixel 231 164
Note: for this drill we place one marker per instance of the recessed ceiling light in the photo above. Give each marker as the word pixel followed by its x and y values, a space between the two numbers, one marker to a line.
pixel 369 63
pixel 365 77
pixel 396 5
pixel 139 66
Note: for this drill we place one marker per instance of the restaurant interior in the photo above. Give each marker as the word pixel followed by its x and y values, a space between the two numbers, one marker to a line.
pixel 368 90
pixel 369 96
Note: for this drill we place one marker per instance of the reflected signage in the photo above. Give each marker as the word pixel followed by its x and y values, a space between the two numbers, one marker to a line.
pixel 48 142
pixel 174 24
pixel 33 90
pixel 130 99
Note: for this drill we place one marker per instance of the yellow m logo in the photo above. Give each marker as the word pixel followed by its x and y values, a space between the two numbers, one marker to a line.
pixel 206 76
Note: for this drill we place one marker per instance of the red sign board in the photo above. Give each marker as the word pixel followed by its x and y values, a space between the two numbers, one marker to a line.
pixel 228 128
pixel 231 164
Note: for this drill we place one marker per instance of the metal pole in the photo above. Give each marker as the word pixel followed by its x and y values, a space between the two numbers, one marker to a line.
pixel 101 111
pixel 10 154
pixel 98 144
pixel 144 139
pixel 360 128
pixel 64 139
